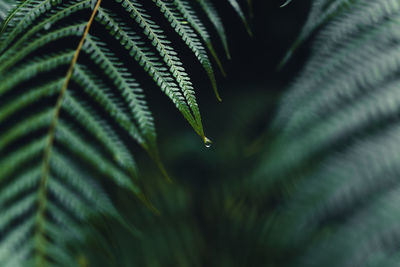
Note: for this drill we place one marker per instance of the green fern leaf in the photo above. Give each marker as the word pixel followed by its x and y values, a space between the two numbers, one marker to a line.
pixel 209 8
pixel 177 22
pixel 334 160
pixel 239 11
pixel 190 16
pixel 69 102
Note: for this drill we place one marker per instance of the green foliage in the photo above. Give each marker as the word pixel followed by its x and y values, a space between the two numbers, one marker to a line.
pixel 171 239
pixel 5 6
pixel 319 188
pixel 331 172
pixel 68 132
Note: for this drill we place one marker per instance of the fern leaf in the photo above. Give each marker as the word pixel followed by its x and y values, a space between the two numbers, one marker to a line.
pixel 69 105
pixel 191 17
pixel 149 61
pixel 334 160
pixel 212 15
pixel 190 38
pixel 21 18
pixel 157 38
pixel 238 9
pixel 321 12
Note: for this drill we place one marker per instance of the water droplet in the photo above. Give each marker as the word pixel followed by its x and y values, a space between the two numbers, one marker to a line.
pixel 207 142
pixel 47 26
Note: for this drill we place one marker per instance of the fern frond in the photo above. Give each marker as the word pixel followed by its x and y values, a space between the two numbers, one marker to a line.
pixel 159 41
pixel 334 162
pixel 190 38
pixel 209 9
pixel 149 61
pixel 70 106
pixel 321 12
pixel 21 18
pixel 238 9
pixel 191 17
pixel 171 241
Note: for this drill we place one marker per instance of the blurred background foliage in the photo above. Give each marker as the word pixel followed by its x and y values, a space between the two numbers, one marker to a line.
pixel 204 217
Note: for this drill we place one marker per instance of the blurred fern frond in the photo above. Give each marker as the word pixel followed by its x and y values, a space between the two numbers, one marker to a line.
pixel 331 174
pixel 172 239
pixel 5 6
pixel 72 104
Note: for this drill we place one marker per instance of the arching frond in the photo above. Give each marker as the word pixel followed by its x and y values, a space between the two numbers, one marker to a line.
pixel 71 105
pixel 334 163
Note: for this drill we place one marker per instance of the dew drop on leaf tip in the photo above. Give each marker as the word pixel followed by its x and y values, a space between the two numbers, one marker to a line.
pixel 207 142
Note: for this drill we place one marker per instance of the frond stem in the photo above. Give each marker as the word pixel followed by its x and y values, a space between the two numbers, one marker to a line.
pixel 39 235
